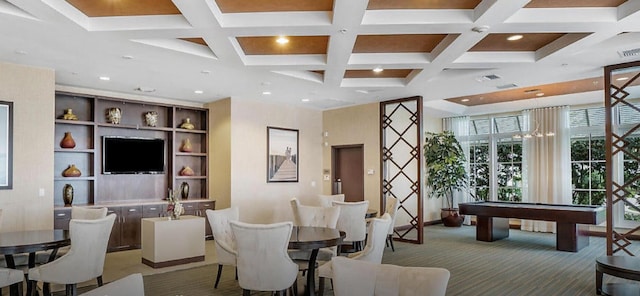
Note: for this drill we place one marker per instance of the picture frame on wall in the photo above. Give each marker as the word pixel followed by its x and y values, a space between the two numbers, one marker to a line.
pixel 282 154
pixel 6 145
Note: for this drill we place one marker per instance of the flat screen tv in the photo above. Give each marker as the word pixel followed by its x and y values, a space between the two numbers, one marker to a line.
pixel 129 155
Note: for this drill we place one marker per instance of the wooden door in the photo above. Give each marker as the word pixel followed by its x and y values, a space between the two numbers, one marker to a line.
pixel 348 167
pixel 114 239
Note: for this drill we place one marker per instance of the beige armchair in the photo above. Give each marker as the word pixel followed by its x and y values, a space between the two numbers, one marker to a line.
pixel 387 279
pixel 263 262
pixel 372 252
pixel 392 208
pixel 352 222
pixel 131 285
pixel 327 200
pixel 85 259
pixel 11 276
pixel 224 240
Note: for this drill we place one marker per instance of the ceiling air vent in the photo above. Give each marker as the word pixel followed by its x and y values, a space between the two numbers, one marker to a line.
pixel 487 78
pixel 629 53
pixel 505 86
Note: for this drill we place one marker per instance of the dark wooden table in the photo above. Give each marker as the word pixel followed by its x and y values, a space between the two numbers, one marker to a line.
pixel 314 238
pixel 371 213
pixel 626 267
pixel 571 231
pixel 31 241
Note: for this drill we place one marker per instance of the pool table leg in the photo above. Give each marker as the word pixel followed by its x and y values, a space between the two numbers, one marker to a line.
pixel 571 237
pixel 490 229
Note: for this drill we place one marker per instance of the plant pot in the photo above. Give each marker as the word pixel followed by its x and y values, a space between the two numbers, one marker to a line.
pixel 451 217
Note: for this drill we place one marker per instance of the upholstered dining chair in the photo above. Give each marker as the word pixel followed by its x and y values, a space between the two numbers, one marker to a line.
pixel 313 217
pixel 223 237
pixel 85 259
pixel 392 208
pixel 10 276
pixel 83 213
pixel 352 222
pixel 263 262
pixel 131 285
pixel 372 252
pixel 387 279
pixel 327 200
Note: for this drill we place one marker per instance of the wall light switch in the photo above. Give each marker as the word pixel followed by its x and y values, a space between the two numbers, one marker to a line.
pixel 41 192
pixel 370 171
pixel 327 178
pixel 313 183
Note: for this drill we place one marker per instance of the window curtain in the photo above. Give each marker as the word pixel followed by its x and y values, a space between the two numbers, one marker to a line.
pixel 546 161
pixel 460 128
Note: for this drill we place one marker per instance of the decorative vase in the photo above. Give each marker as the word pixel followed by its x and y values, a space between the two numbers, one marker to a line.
pixel 186 171
pixel 68 115
pixel 186 146
pixel 114 115
pixel 184 190
pixel 67 141
pixel 186 124
pixel 151 118
pixel 67 194
pixel 71 171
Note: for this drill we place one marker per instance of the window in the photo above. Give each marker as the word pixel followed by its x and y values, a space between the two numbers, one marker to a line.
pixel 495 158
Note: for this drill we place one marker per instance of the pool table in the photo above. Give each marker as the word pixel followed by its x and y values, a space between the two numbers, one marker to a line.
pixel 493 220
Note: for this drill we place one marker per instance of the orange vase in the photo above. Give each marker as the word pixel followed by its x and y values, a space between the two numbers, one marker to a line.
pixel 67 141
pixel 186 171
pixel 71 171
pixel 186 146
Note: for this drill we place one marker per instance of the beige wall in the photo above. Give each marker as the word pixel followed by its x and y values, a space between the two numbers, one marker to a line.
pixel 32 92
pixel 355 125
pixel 259 201
pixel 431 206
pixel 220 152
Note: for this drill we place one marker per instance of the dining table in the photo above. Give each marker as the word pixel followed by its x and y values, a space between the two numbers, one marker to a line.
pixel 312 239
pixel 30 242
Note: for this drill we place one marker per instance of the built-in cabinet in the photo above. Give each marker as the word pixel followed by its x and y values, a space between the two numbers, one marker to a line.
pixel 136 195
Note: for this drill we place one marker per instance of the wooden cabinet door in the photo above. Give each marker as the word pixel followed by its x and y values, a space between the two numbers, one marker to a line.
pixel 114 239
pixel 130 233
pixel 204 206
pixel 190 208
pixel 61 219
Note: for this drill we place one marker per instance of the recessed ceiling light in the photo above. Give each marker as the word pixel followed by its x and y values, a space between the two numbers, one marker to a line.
pixel 105 78
pixel 514 37
pixel 205 72
pixel 127 57
pixel 266 92
pixel 540 94
pixel 199 92
pixel 464 100
pixel 282 40
pixel 21 52
pixel 622 78
pixel 305 100
pixel 377 69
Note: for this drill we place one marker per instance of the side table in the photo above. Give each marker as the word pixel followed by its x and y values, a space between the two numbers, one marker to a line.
pixel 168 242
pixel 626 267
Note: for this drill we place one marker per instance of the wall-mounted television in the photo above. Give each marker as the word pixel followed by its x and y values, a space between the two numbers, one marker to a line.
pixel 129 155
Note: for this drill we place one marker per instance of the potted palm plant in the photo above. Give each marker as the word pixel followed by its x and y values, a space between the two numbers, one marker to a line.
pixel 445 169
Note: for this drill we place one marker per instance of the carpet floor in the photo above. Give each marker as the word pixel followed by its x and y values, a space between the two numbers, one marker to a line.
pixel 525 263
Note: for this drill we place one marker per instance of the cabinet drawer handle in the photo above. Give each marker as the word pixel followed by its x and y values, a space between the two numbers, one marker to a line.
pixel 132 210
pixel 152 209
pixel 61 215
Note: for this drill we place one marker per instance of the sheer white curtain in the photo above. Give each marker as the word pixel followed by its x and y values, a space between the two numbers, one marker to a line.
pixel 546 162
pixel 460 128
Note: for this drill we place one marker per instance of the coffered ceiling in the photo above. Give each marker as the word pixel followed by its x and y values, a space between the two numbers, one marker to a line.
pixel 322 53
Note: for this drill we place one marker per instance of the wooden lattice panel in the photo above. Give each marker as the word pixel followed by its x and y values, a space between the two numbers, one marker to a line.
pixel 618 144
pixel 401 154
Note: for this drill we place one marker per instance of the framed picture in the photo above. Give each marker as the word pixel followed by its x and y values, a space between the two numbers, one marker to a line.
pixel 6 145
pixel 282 155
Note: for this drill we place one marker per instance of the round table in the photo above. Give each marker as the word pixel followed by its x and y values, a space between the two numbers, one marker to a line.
pixel 31 241
pixel 626 267
pixel 314 238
